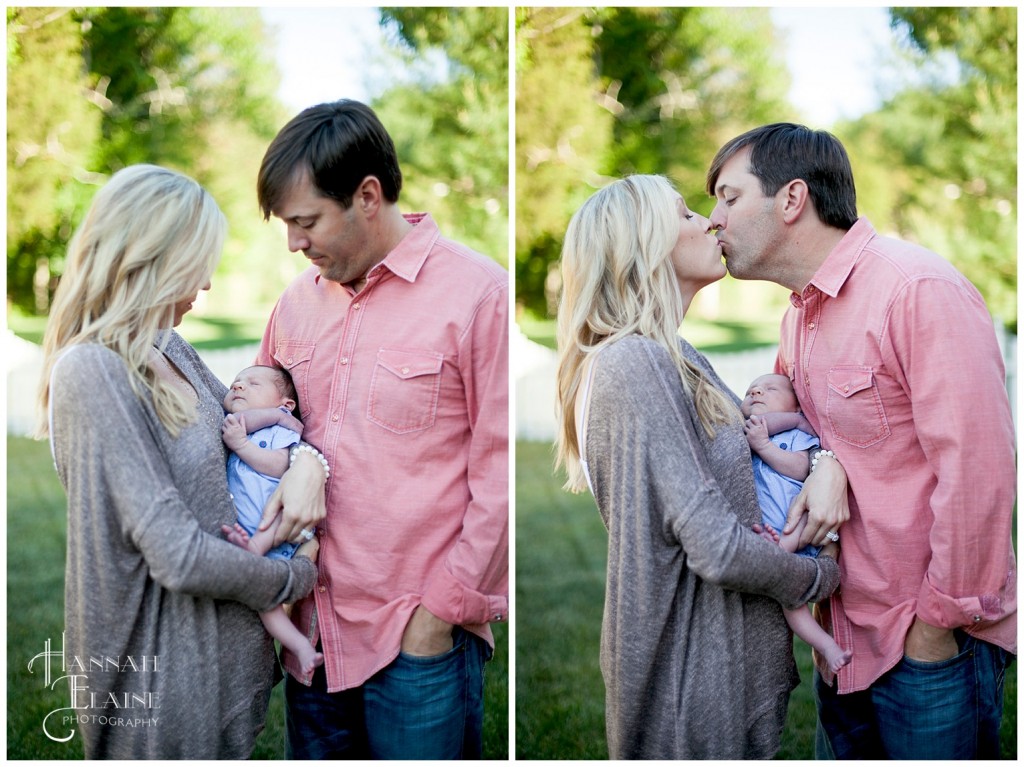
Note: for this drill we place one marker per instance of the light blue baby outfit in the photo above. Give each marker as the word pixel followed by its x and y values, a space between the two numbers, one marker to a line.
pixel 251 490
pixel 776 491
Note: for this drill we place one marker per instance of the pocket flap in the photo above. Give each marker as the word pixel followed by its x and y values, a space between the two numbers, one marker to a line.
pixel 410 364
pixel 846 382
pixel 291 353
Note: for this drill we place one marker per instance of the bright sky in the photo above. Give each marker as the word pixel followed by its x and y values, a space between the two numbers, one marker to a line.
pixel 833 57
pixel 324 54
pixel 329 53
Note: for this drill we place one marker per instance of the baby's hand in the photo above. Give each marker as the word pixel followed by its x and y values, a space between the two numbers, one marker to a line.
pixel 756 431
pixel 233 432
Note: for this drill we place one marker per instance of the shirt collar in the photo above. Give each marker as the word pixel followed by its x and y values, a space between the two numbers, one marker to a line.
pixel 407 258
pixel 832 274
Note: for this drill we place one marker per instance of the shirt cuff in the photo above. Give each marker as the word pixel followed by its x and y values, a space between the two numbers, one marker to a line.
pixel 452 601
pixel 945 611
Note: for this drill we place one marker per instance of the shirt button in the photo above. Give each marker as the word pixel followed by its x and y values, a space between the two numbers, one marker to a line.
pixel 334 417
pixel 322 589
pixel 405 371
pixel 977 619
pixel 498 617
pixel 344 360
pixel 846 389
pixel 355 305
pixel 290 361
pixel 810 326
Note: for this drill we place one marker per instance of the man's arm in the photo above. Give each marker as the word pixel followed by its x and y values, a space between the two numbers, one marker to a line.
pixel 472 585
pixel 966 433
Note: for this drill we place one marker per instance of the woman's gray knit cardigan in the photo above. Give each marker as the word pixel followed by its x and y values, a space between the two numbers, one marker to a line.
pixel 149 580
pixel 695 652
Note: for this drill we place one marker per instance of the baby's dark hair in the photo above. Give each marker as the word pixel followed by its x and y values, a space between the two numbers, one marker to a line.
pixel 285 386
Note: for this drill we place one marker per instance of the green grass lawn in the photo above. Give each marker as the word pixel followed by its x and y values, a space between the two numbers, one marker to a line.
pixel 561 548
pixel 716 337
pixel 206 332
pixel 36 537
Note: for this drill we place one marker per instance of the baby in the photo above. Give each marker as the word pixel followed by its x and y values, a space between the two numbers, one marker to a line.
pixel 781 464
pixel 264 396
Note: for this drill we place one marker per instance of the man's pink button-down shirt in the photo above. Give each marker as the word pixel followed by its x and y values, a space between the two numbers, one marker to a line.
pixel 895 362
pixel 404 387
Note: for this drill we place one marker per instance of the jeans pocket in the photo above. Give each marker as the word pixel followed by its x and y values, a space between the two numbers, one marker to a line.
pixel 458 645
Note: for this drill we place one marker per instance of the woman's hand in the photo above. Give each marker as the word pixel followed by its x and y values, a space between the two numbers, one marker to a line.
pixel 825 501
pixel 299 499
pixel 309 549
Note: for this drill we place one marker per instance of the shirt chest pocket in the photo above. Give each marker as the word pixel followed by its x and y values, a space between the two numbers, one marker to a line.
pixel 295 356
pixel 404 390
pixel 854 406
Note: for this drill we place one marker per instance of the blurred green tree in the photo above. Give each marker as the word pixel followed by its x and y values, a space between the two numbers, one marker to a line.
pixel 937 164
pixel 606 92
pixel 51 130
pixel 451 129
pixel 93 90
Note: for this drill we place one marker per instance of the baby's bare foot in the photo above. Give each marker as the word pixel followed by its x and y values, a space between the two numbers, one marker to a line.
pixel 309 661
pixel 838 658
pixel 236 535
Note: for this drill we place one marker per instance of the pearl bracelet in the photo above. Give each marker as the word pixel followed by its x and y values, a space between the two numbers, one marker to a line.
pixel 302 448
pixel 818 454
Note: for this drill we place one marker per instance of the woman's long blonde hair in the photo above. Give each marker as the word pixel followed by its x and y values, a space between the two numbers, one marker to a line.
pixel 151 239
pixel 618 280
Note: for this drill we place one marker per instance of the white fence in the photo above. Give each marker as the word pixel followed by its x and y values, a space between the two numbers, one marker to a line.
pixel 533 370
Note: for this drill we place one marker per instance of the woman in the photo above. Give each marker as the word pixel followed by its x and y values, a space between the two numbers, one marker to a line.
pixel 695 652
pixel 161 614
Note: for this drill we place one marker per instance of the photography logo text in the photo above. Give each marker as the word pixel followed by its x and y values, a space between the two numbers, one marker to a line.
pixel 111 709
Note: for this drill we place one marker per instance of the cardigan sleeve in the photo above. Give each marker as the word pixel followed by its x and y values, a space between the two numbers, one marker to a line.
pixel 113 468
pixel 658 456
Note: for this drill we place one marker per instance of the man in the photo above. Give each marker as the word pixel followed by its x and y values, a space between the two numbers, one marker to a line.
pixel 895 363
pixel 397 340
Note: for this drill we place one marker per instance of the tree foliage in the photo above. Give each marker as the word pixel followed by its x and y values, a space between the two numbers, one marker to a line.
pixel 93 90
pixel 601 93
pixel 51 131
pixel 451 133
pixel 937 164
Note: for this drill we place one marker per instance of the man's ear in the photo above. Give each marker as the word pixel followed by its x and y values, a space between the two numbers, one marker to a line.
pixel 796 197
pixel 369 196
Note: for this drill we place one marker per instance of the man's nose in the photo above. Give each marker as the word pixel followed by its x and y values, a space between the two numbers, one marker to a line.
pixel 717 220
pixel 296 240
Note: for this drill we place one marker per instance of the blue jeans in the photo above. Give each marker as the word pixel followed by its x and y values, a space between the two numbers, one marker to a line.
pixel 945 710
pixel 415 708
